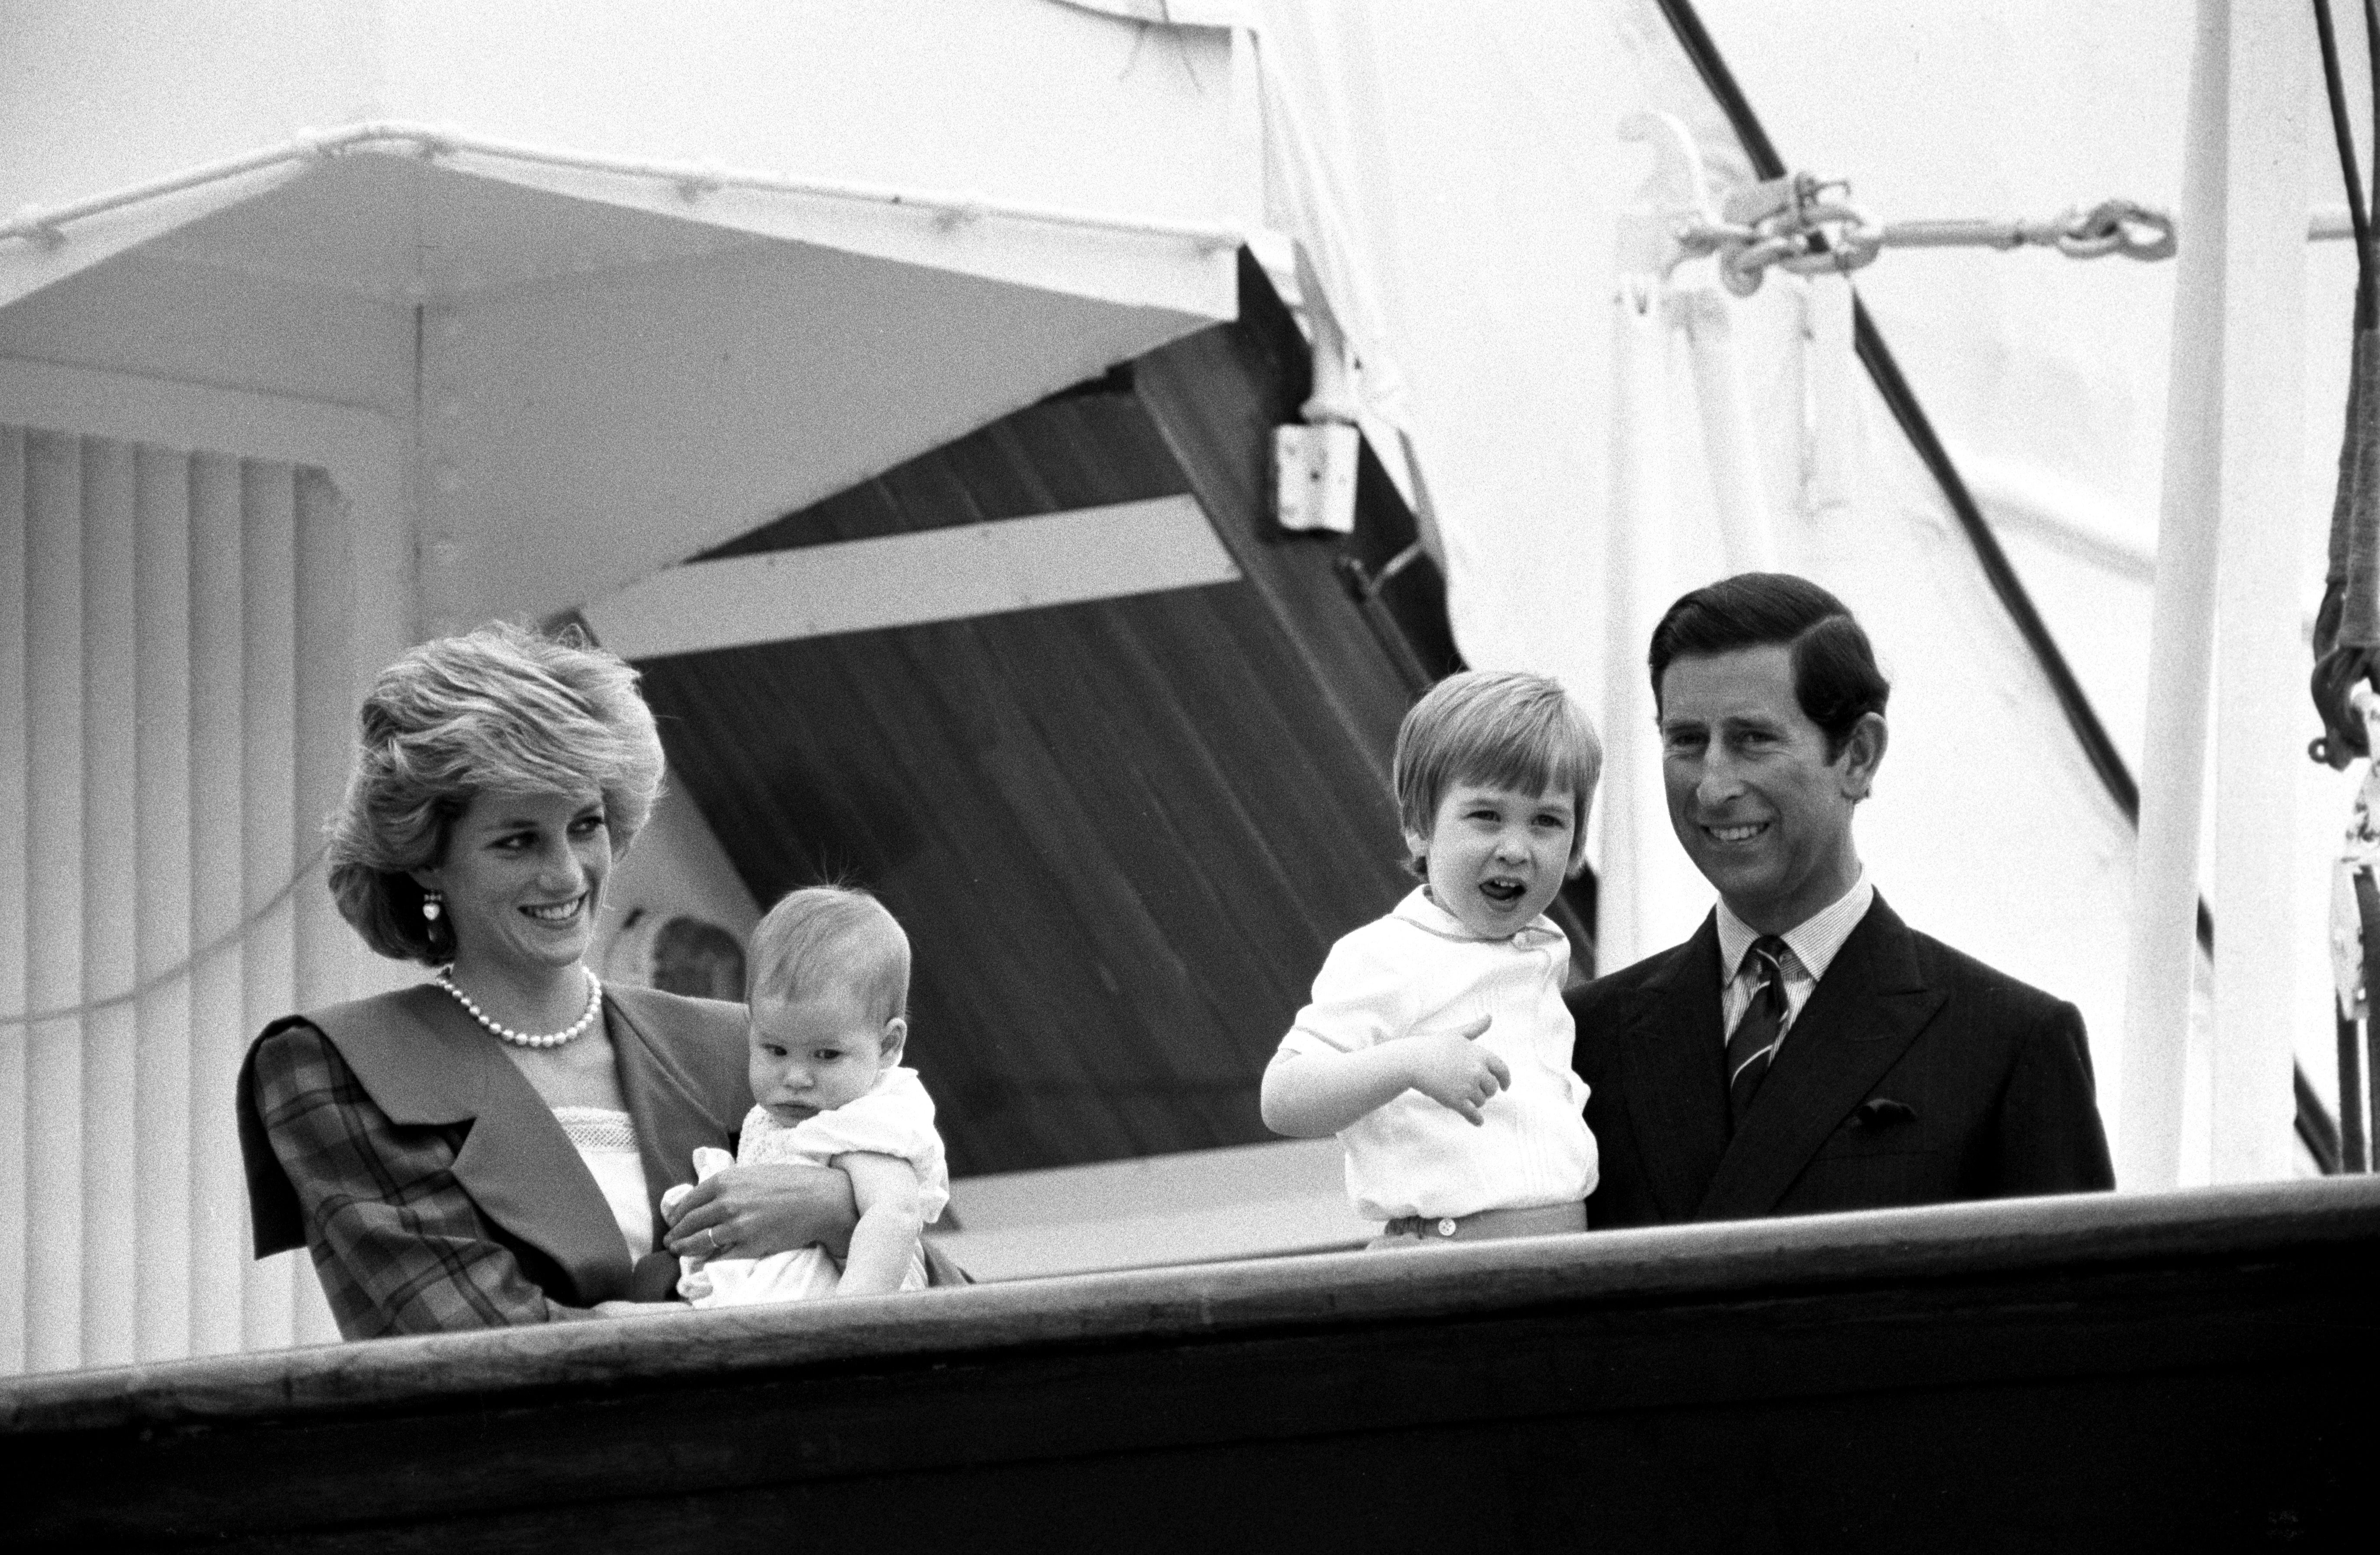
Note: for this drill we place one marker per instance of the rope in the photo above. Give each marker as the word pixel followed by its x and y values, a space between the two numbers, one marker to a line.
pixel 181 969
pixel 2347 624
pixel 2358 509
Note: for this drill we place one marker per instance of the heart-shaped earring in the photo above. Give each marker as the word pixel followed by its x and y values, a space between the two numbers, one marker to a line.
pixel 432 904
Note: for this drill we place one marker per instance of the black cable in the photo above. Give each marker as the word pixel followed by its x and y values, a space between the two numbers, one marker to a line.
pixel 2313 1127
pixel 2336 90
pixel 2372 66
pixel 1705 56
pixel 2105 759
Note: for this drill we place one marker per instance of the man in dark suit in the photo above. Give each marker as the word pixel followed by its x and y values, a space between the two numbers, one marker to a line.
pixel 1806 1051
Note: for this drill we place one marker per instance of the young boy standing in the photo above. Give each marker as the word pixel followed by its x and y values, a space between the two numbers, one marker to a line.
pixel 1437 1046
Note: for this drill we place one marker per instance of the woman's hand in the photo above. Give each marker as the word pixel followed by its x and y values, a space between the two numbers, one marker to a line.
pixel 752 1211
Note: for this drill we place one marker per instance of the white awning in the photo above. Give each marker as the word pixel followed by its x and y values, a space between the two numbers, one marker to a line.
pixel 644 276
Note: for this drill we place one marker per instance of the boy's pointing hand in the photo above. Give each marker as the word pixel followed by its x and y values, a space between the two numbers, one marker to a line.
pixel 1454 1071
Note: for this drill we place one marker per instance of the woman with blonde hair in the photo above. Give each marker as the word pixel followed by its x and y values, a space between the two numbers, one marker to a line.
pixel 489 1147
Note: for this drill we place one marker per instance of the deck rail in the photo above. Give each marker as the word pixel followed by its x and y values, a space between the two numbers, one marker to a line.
pixel 2104 1367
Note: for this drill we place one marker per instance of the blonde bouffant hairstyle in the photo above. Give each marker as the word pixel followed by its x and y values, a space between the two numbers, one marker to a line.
pixel 498 708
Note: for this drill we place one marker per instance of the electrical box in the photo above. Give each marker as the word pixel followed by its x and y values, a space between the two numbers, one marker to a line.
pixel 1313 477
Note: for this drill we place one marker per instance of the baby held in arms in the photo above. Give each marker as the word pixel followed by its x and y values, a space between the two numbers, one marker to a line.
pixel 830 997
pixel 1437 1046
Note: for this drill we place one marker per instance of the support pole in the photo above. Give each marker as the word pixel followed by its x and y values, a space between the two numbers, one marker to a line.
pixel 1744 515
pixel 2225 551
pixel 1635 814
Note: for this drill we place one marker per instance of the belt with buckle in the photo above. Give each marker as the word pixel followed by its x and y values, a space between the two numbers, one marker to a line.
pixel 1543 1220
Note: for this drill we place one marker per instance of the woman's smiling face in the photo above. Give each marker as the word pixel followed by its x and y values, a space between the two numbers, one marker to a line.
pixel 523 875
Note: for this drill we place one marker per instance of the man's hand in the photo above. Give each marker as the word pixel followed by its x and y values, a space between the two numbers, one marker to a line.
pixel 752 1211
pixel 1451 1069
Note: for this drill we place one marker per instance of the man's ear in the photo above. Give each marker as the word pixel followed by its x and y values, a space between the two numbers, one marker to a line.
pixel 1862 754
pixel 896 1035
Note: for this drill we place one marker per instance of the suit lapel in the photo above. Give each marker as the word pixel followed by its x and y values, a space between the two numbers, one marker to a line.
pixel 1860 1019
pixel 425 1061
pixel 673 1120
pixel 1674 1076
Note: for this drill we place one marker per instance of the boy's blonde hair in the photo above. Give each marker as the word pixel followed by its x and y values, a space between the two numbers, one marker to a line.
pixel 1504 728
pixel 832 936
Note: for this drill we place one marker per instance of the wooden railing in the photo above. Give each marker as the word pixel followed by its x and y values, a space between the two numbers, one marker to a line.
pixel 2186 1370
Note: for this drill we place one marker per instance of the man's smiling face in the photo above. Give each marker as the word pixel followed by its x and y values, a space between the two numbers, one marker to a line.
pixel 1759 807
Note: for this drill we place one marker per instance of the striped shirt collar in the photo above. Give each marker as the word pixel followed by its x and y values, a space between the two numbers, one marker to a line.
pixel 1815 941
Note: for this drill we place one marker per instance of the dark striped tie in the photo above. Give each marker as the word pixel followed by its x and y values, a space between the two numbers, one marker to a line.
pixel 1754 1041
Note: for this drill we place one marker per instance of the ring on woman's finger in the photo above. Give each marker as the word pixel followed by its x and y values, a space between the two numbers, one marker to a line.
pixel 710 1234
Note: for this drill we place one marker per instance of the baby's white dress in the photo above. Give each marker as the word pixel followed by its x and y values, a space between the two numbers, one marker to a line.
pixel 896 1118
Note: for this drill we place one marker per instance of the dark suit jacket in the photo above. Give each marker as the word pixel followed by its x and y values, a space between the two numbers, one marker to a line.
pixel 1913 1074
pixel 435 1186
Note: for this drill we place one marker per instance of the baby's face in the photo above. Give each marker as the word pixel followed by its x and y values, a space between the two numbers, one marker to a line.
pixel 815 1052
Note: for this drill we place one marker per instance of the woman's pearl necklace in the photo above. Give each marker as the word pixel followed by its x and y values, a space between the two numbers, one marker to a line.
pixel 529 1038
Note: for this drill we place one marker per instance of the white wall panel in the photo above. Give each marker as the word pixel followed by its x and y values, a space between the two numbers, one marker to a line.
pixel 219 1232
pixel 110 1105
pixel 268 795
pixel 178 661
pixel 161 1146
pixel 53 897
pixel 195 586
pixel 15 1277
pixel 326 953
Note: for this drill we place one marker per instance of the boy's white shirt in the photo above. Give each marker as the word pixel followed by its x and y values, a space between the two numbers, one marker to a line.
pixel 895 1117
pixel 1415 972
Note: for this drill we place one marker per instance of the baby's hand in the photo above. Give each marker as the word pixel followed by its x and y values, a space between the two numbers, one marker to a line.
pixel 1454 1071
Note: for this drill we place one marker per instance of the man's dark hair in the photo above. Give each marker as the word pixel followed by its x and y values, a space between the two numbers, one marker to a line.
pixel 1835 676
